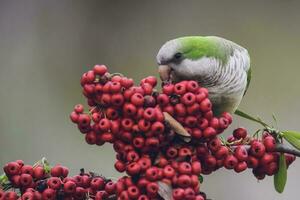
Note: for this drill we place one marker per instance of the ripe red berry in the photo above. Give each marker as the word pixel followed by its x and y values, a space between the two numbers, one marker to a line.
pixel 137 99
pixel 54 183
pixel 152 174
pixel 241 153
pixel 230 162
pixel 214 144
pixel 240 133
pixel 100 70
pixel 269 143
pixel 257 149
pixel 184 168
pixel 209 132
pixel 241 166
pixel 69 187
pixel 56 171
pixel 184 181
pixel 152 189
pixel 84 119
pixel 25 180
pixel 27 169
pixel 178 194
pixel 205 105
pixel 133 169
pixel 48 194
pixel 12 168
pixel 133 192
pixel 188 99
pixel 38 172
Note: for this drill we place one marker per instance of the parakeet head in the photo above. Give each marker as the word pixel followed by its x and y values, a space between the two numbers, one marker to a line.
pixel 190 57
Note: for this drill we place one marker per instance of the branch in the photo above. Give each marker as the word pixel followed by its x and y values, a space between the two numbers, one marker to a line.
pixel 286 149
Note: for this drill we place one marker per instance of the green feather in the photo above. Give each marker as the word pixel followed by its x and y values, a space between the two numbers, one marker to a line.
pixel 195 47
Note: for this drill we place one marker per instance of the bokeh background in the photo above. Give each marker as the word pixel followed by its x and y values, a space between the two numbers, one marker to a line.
pixel 45 46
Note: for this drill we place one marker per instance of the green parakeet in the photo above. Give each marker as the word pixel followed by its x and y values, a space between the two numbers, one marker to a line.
pixel 220 65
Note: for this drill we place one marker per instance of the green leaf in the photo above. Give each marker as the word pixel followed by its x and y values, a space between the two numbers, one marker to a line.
pixel 280 177
pixel 295 134
pixel 291 139
pixel 200 178
pixel 3 179
pixel 247 116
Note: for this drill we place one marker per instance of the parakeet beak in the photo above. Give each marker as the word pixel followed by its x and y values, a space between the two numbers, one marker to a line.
pixel 164 72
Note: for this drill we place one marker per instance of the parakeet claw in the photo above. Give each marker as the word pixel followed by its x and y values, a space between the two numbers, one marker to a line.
pixel 177 127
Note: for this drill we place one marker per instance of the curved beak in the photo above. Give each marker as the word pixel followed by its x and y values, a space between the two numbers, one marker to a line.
pixel 164 72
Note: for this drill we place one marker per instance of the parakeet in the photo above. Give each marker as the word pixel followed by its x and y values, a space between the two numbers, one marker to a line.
pixel 220 65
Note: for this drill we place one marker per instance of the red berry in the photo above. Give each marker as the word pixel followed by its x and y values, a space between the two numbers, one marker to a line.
pixel 240 133
pixel 178 194
pixel 137 99
pixel 180 88
pixel 133 169
pixel 133 192
pixel 12 168
pixel 184 168
pixel 38 172
pixel 100 70
pixel 241 153
pixel 269 143
pixel 184 181
pixel 27 169
pixel 48 194
pixel 257 149
pixel 152 189
pixel 205 105
pixel 152 174
pixel 26 180
pixel 192 86
pixel 56 171
pixel 188 99
pixel 241 166
pixel 54 183
pixel 97 183
pixel 78 108
pixel 230 162
pixel 69 187
pixel 209 132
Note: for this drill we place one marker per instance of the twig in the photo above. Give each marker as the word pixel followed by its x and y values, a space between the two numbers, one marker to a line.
pixel 279 148
pixel 286 149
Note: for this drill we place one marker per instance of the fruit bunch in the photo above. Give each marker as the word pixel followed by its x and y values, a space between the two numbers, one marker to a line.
pixel 40 182
pixel 133 119
pixel 166 139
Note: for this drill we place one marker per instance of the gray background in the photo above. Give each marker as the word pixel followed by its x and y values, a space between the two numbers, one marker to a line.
pixel 45 46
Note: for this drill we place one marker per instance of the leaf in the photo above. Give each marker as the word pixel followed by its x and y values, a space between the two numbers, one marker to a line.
pixel 247 116
pixel 3 179
pixel 200 178
pixel 280 177
pixel 291 139
pixel 295 134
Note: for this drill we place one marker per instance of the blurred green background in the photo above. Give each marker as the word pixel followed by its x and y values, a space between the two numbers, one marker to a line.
pixel 45 46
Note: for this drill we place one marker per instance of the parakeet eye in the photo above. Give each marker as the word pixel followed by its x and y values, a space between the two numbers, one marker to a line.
pixel 178 56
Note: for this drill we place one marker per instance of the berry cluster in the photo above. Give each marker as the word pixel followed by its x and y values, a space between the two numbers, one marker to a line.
pixel 39 183
pixel 248 152
pixel 163 140
pixel 132 118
